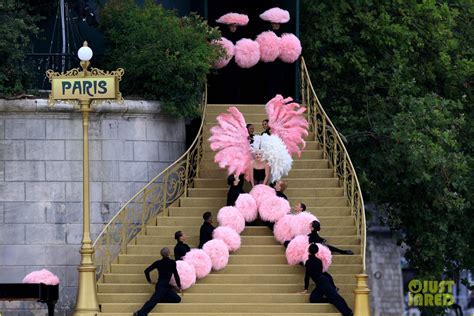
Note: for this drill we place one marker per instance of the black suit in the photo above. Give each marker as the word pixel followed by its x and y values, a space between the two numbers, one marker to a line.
pixel 163 291
pixel 315 238
pixel 205 233
pixel 325 291
pixel 234 190
pixel 180 250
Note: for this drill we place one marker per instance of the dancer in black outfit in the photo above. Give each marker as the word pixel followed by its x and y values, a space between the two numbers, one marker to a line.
pixel 325 291
pixel 315 238
pixel 206 230
pixel 163 291
pixel 250 130
pixel 266 128
pixel 280 187
pixel 235 188
pixel 181 248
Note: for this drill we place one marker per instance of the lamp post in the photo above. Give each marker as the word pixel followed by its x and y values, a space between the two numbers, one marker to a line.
pixel 83 86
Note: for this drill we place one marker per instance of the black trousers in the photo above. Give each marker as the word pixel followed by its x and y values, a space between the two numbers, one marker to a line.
pixel 163 294
pixel 325 292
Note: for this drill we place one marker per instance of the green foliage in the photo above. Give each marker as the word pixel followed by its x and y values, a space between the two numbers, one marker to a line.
pixel 395 77
pixel 165 57
pixel 17 27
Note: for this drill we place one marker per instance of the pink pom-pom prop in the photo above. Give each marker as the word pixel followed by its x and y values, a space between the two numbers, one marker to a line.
pixel 41 276
pixel 325 255
pixel 218 252
pixel 247 53
pixel 297 250
pixel 201 262
pixel 233 19
pixel 273 208
pixel 260 192
pixel 230 140
pixel 228 48
pixel 229 236
pixel 247 206
pixel 276 15
pixel 290 48
pixel 286 121
pixel 230 216
pixel 282 229
pixel 187 274
pixel 269 44
pixel 301 224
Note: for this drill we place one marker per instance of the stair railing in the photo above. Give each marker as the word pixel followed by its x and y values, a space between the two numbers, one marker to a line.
pixel 153 199
pixel 335 151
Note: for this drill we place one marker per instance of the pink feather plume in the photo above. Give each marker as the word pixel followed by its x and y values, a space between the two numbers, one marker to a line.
pixel 282 229
pixel 276 15
pixel 287 121
pixel 187 274
pixel 247 206
pixel 41 276
pixel 233 18
pixel 230 140
pixel 229 236
pixel 325 255
pixel 301 224
pixel 269 44
pixel 261 192
pixel 297 250
pixel 228 48
pixel 247 53
pixel 290 48
pixel 230 216
pixel 218 252
pixel 201 262
pixel 273 208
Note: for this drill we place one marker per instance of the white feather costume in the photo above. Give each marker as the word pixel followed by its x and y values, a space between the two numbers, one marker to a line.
pixel 275 153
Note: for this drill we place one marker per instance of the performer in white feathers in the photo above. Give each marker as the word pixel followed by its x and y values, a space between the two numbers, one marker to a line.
pixel 230 139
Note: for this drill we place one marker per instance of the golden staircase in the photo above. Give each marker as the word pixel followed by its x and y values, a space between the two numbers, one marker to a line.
pixel 257 280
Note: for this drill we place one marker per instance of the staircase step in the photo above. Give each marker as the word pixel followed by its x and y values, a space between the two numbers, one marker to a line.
pixel 222 308
pixel 227 314
pixel 221 202
pixel 319 211
pixel 306 154
pixel 309 145
pixel 297 164
pixel 294 173
pixel 292 183
pixel 299 193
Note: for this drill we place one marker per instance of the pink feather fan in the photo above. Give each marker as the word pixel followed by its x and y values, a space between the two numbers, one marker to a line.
pixel 247 53
pixel 325 255
pixel 290 48
pixel 273 208
pixel 218 252
pixel 187 274
pixel 261 192
pixel 275 15
pixel 230 140
pixel 233 18
pixel 286 121
pixel 41 276
pixel 282 229
pixel 200 261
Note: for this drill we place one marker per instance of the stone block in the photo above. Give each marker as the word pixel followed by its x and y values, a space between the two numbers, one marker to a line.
pixel 72 276
pixel 64 128
pixel 119 192
pixel 74 191
pixel 12 191
pixel 104 170
pixel 12 234
pixel 145 151
pixel 170 151
pixel 133 171
pixel 12 150
pixel 74 150
pixel 109 129
pixel 154 169
pixel 2 129
pixel 14 254
pixel 45 191
pixel 102 213
pixel 45 150
pixel 45 234
pixel 73 234
pixel 60 255
pixel 166 130
pixel 132 129
pixel 117 150
pixel 2 171
pixel 64 170
pixel 12 274
pixel 26 212
pixel 24 171
pixel 24 129
pixel 2 213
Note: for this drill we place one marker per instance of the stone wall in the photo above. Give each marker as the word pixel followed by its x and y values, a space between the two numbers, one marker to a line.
pixel 41 182
pixel 385 273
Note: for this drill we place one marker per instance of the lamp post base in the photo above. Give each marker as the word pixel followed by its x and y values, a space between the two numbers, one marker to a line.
pixel 361 293
pixel 86 304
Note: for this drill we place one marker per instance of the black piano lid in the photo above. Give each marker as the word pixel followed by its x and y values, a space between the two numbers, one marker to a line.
pixel 34 291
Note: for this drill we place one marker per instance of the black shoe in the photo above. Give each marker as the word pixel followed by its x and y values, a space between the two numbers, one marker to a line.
pixel 135 314
pixel 347 252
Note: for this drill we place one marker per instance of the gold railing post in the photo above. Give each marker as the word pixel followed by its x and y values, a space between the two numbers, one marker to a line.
pixel 361 296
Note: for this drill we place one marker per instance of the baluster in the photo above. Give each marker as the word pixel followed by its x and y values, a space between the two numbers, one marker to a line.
pixel 186 175
pixel 345 175
pixel 334 155
pixel 165 193
pixel 144 210
pixel 325 154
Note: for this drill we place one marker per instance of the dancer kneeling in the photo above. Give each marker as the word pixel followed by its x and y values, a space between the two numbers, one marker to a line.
pixel 325 291
pixel 164 292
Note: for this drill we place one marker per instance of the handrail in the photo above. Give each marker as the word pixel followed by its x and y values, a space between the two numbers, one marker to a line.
pixel 154 198
pixel 335 151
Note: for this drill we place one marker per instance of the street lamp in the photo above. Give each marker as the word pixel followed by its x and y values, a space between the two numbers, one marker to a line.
pixel 85 86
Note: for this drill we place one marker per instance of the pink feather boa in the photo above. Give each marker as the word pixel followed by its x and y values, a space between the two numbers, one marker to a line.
pixel 297 250
pixel 218 252
pixel 273 208
pixel 41 276
pixel 229 50
pixel 282 229
pixel 269 46
pixel 290 48
pixel 187 274
pixel 301 224
pixel 229 236
pixel 230 216
pixel 201 262
pixel 247 206
pixel 247 53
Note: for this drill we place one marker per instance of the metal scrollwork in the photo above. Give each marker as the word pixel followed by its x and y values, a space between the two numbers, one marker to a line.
pixel 335 152
pixel 152 200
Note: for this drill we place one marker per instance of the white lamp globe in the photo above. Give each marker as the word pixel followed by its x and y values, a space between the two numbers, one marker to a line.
pixel 84 53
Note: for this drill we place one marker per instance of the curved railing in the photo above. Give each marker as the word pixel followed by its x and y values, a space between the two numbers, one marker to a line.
pixel 154 198
pixel 335 151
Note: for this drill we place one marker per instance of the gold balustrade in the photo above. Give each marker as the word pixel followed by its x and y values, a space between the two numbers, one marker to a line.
pixel 153 199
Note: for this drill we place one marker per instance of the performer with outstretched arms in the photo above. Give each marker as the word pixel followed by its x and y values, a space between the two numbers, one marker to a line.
pixel 315 238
